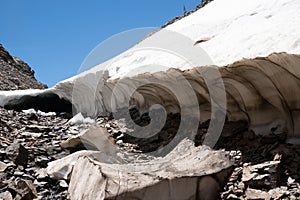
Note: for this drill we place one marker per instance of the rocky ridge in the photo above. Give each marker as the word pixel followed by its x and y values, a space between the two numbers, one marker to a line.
pixel 16 74
pixel 187 13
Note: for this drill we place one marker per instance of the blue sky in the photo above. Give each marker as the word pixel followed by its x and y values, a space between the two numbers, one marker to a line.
pixel 54 37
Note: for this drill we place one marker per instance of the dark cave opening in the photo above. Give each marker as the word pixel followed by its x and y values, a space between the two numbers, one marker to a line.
pixel 46 102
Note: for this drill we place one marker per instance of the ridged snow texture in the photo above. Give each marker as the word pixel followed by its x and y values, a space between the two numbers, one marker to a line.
pixel 262 91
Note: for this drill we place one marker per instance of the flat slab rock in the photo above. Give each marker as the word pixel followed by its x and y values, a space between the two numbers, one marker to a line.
pixel 263 175
pixel 277 193
pixel 158 178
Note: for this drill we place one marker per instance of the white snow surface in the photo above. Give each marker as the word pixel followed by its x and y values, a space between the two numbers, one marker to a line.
pixel 244 29
pixel 234 29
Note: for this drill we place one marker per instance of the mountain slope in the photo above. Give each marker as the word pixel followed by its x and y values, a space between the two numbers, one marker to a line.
pixel 235 29
pixel 15 74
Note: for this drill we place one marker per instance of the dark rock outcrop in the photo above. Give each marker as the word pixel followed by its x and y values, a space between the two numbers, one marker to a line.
pixel 201 5
pixel 16 74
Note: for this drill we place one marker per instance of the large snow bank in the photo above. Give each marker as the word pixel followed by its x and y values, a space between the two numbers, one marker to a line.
pixel 220 33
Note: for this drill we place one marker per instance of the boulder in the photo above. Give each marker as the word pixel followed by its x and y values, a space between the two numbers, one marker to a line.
pixel 156 178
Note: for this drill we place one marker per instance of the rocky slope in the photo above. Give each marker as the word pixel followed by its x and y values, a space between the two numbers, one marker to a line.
pixel 265 167
pixel 16 74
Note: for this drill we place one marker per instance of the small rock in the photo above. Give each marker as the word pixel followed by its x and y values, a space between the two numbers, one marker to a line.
pixel 3 166
pixel 116 133
pixel 238 157
pixel 18 173
pixel 31 134
pixel 33 117
pixel 256 194
pixel 232 153
pixel 119 142
pixel 232 197
pixel 41 173
pixel 79 119
pixel 241 185
pixel 278 193
pixel 290 181
pixel 63 183
pixel 120 136
pixel 39 184
pixel 24 188
pixel 18 153
pixel 277 157
pixel 37 128
pixel 292 197
pixel 41 161
pixel 6 196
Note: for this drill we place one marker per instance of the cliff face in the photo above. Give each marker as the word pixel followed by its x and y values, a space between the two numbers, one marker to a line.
pixel 15 74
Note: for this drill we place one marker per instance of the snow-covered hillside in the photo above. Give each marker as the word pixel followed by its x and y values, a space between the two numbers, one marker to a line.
pixel 231 30
pixel 244 29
